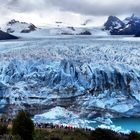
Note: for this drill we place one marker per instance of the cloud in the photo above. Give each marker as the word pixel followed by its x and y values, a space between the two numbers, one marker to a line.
pixel 70 10
pixel 85 7
pixel 26 5
pixel 98 7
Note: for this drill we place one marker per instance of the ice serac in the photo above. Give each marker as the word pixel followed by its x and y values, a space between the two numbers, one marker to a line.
pixel 88 89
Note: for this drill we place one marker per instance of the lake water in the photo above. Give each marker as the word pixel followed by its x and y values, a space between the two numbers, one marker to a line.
pixel 128 123
pixel 132 124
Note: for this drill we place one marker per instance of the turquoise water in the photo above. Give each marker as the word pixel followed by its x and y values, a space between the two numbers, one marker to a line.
pixel 128 123
pixel 132 124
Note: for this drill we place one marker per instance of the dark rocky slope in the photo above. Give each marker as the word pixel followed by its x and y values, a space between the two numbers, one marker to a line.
pixel 129 26
pixel 5 36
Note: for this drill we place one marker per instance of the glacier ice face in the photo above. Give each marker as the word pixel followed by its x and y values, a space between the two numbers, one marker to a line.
pixel 80 74
pixel 62 116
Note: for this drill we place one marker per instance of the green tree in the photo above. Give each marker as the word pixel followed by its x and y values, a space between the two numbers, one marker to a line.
pixel 134 136
pixel 103 134
pixel 23 126
pixel 3 129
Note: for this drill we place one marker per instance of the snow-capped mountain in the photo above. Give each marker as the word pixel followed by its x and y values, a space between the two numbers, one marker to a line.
pixel 17 28
pixel 6 36
pixel 63 31
pixel 14 26
pixel 70 30
pixel 129 26
pixel 113 23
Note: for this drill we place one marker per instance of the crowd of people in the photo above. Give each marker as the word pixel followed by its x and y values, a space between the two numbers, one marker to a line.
pixel 57 126
pixel 37 125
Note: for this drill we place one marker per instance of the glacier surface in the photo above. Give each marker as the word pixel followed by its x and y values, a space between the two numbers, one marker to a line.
pixel 92 76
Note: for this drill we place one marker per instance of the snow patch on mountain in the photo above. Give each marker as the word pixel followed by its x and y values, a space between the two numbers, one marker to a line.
pixel 77 31
pixel 44 32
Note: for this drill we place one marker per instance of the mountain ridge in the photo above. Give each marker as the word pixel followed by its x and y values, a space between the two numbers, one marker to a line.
pixel 128 26
pixel 20 27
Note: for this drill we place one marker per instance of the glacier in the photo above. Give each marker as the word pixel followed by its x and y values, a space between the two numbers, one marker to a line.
pixel 62 116
pixel 91 76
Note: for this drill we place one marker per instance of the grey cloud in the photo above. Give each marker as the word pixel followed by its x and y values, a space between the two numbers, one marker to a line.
pixel 98 7
pixel 27 5
pixel 84 7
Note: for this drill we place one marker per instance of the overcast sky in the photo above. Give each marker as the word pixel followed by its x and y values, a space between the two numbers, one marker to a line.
pixel 43 12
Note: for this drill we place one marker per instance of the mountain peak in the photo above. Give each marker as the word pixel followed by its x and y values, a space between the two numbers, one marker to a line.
pixel 133 15
pixel 130 26
pixel 112 18
pixel 113 22
pixel 11 22
pixel 133 18
pixel 19 27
